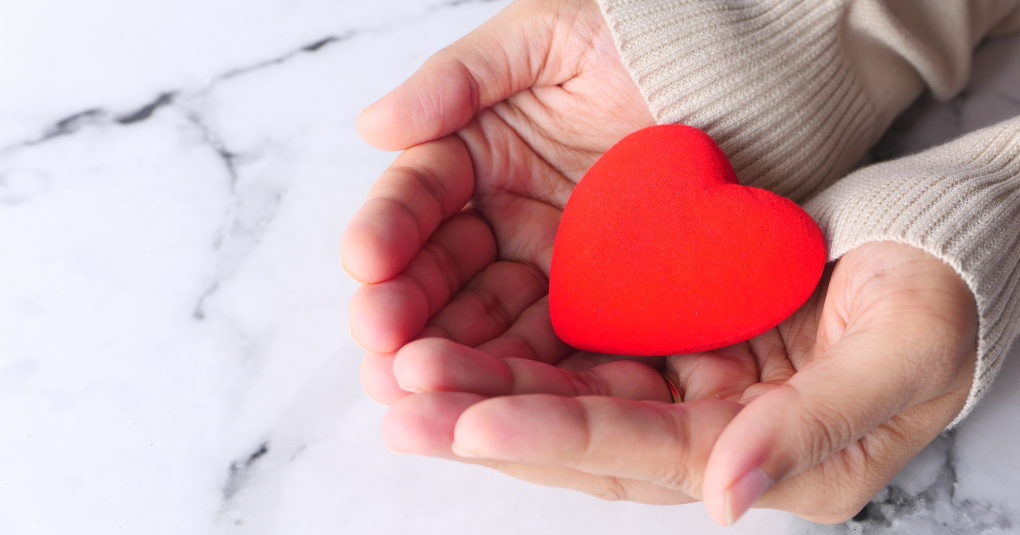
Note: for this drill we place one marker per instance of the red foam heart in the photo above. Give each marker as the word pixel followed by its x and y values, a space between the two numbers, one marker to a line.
pixel 661 251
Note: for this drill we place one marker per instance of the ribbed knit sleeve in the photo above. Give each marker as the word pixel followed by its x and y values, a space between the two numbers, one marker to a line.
pixel 767 80
pixel 959 202
pixel 796 91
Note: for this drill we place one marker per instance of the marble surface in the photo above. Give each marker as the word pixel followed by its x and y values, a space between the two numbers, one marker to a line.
pixel 174 358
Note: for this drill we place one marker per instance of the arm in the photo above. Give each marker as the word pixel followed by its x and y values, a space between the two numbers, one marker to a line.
pixel 959 202
pixel 828 84
pixel 405 242
pixel 796 92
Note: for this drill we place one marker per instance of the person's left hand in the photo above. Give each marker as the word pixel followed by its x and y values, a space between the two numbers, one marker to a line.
pixel 818 414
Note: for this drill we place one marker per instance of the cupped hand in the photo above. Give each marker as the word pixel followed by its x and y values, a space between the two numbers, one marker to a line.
pixel 456 237
pixel 817 414
pixel 453 248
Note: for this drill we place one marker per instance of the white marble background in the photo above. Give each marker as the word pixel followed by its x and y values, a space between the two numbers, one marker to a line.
pixel 174 357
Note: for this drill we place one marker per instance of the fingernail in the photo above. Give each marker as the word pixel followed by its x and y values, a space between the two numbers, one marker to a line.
pixel 412 390
pixel 461 453
pixel 744 492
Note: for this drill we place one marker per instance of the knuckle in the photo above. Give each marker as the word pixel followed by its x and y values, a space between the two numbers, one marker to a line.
pixel 460 71
pixel 489 306
pixel 445 266
pixel 677 475
pixel 828 435
pixel 428 184
pixel 587 384
pixel 828 430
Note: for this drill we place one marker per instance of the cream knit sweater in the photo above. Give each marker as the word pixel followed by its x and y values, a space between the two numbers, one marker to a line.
pixel 796 91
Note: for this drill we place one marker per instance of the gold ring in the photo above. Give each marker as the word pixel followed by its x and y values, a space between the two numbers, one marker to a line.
pixel 674 392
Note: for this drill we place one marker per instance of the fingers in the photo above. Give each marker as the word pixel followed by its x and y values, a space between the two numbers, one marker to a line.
pixel 438 365
pixel 434 364
pixel 820 411
pixel 424 186
pixel 378 381
pixel 530 337
pixel 387 315
pixel 664 444
pixel 603 487
pixel 423 424
pixel 518 191
pixel 900 347
pixel 489 304
pixel 498 59
pixel 459 250
pixel 721 374
pixel 837 489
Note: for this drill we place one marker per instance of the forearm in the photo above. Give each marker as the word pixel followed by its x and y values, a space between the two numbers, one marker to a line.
pixel 960 202
pixel 796 92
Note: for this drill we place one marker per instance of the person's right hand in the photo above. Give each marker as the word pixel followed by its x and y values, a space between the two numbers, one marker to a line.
pixel 455 239
pixel 818 413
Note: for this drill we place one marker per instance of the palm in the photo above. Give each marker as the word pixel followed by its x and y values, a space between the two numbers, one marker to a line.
pixel 744 371
pixel 529 149
pixel 454 246
pixel 524 137
pixel 851 306
pixel 526 152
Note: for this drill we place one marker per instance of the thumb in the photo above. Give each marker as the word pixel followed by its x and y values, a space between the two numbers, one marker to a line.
pixel 498 59
pixel 858 384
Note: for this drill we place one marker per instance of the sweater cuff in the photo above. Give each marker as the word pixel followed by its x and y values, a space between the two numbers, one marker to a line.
pixel 768 81
pixel 960 202
pixel 795 91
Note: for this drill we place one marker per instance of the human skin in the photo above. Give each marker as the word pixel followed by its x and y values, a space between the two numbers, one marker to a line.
pixel 453 248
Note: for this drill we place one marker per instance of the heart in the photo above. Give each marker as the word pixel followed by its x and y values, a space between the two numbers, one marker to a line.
pixel 661 251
